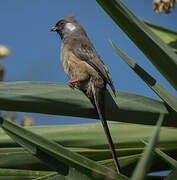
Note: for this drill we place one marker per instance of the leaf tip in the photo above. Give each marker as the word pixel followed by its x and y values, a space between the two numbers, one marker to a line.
pixel 111 42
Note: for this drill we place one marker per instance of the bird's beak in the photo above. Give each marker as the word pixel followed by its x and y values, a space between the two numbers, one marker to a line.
pixel 54 29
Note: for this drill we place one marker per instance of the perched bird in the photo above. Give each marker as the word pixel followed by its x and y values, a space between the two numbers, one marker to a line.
pixel 85 69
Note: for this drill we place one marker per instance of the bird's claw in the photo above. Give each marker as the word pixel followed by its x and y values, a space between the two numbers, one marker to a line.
pixel 72 83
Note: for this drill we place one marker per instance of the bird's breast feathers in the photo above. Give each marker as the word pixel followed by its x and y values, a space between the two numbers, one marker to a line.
pixel 75 68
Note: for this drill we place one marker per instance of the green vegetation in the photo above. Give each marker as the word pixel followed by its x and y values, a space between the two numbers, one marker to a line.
pixel 80 152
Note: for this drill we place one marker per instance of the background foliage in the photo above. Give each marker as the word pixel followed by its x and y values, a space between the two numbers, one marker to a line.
pixel 72 151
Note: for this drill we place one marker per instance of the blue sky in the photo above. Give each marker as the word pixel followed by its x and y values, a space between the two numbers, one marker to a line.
pixel 25 29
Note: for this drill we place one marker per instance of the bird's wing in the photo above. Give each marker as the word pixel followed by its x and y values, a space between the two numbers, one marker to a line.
pixel 84 50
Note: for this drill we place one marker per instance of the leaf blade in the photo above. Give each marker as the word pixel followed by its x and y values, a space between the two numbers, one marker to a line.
pixel 164 59
pixel 21 174
pixel 43 148
pixel 167 158
pixel 161 91
pixel 145 161
pixel 58 99
pixel 167 35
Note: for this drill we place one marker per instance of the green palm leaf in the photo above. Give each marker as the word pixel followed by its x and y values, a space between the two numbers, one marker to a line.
pixel 144 164
pixel 52 98
pixel 160 54
pixel 11 174
pixel 56 156
pixel 161 91
pixel 167 35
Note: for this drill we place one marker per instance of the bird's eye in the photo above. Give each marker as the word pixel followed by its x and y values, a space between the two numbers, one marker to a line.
pixel 61 23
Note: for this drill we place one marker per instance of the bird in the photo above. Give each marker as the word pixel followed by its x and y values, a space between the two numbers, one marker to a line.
pixel 85 69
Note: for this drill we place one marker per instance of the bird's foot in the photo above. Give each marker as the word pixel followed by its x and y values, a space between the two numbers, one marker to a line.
pixel 72 83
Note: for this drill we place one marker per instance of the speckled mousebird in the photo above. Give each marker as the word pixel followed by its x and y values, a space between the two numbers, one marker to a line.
pixel 85 69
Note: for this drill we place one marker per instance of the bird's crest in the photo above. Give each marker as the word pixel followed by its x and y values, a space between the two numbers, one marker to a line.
pixel 71 16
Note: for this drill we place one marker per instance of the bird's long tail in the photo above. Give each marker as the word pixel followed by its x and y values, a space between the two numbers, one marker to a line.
pixel 99 95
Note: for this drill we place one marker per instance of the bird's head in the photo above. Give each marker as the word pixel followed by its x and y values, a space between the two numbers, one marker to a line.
pixel 67 26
